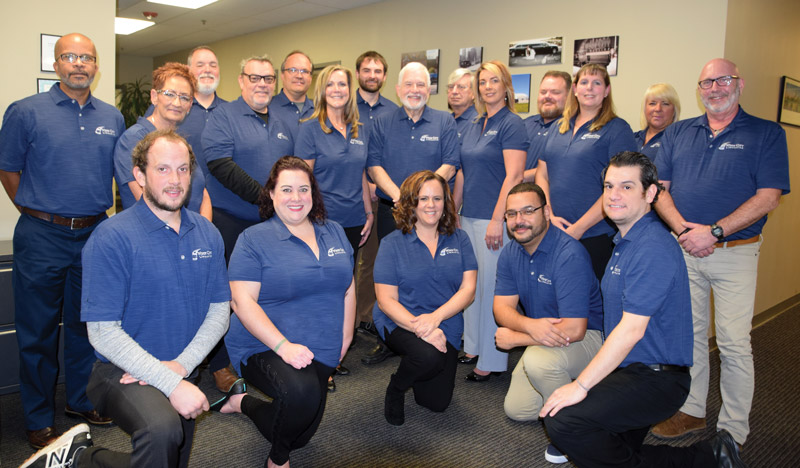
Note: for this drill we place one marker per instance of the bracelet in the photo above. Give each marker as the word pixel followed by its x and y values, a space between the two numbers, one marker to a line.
pixel 368 213
pixel 581 386
pixel 684 231
pixel 275 349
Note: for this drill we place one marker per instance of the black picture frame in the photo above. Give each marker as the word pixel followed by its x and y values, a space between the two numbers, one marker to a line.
pixel 47 57
pixel 789 103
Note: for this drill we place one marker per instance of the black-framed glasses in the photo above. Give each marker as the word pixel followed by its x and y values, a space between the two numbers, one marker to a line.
pixel 297 71
pixel 71 58
pixel 171 95
pixel 268 79
pixel 721 81
pixel 526 212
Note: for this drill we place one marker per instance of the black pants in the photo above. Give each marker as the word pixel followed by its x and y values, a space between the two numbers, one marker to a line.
pixel 299 397
pixel 600 249
pixel 385 220
pixel 423 368
pixel 608 427
pixel 159 435
pixel 354 237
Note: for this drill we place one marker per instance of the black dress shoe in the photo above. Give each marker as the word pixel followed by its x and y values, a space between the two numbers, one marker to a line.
pixel 237 388
pixel 378 354
pixel 475 377
pixel 463 359
pixel 331 385
pixel 341 370
pixel 726 451
pixel 91 416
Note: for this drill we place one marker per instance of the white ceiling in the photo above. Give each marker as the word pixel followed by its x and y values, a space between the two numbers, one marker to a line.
pixel 181 28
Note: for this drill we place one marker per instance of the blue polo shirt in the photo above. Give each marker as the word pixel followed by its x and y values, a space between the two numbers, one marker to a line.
pixel 65 153
pixel 367 114
pixel 157 282
pixel 123 166
pixel 465 119
pixel 302 296
pixel 647 276
pixel 286 111
pixel 424 282
pixel 401 146
pixel 482 158
pixel 537 136
pixel 235 131
pixel 338 167
pixel 575 165
pixel 649 149
pixel 556 281
pixel 711 177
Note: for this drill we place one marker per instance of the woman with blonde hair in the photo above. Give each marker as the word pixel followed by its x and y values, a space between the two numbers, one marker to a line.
pixel 493 151
pixel 570 167
pixel 661 107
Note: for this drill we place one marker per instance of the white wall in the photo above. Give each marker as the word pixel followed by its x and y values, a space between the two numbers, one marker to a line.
pixel 23 22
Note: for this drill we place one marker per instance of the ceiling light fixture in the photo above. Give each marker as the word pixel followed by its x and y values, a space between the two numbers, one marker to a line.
pixel 192 4
pixel 125 26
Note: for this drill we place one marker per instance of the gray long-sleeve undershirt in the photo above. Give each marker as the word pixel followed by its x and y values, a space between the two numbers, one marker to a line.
pixel 113 343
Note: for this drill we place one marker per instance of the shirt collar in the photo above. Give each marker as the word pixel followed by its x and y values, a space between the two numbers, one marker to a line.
pixel 282 232
pixel 283 100
pixel 145 122
pixel 244 108
pixel 469 114
pixel 636 231
pixel 741 115
pixel 60 96
pixel 426 113
pixel 152 223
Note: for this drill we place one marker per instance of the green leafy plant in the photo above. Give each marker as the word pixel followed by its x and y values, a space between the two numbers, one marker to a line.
pixel 133 100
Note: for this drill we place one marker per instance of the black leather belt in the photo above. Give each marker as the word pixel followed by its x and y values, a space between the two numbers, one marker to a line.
pixel 72 223
pixel 668 367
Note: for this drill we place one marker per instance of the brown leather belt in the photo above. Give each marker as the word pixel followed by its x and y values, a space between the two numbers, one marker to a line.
pixel 72 223
pixel 734 243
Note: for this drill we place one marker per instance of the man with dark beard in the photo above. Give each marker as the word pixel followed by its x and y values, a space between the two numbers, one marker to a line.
pixel 553 93
pixel 155 301
pixel 549 273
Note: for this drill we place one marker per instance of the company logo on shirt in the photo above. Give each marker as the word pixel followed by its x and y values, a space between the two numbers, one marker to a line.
pixel 336 251
pixel 101 130
pixel 448 251
pixel 198 254
pixel 656 145
pixel 490 133
pixel 428 138
pixel 353 141
pixel 544 280
pixel 590 136
pixel 615 270
pixel 731 146
pixel 281 136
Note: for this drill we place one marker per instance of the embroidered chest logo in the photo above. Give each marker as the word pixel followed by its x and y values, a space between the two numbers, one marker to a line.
pixel 427 137
pixel 544 280
pixel 615 270
pixel 731 146
pixel 354 141
pixel 656 145
pixel 281 136
pixel 198 254
pixel 101 130
pixel 590 136
pixel 448 251
pixel 490 133
pixel 336 251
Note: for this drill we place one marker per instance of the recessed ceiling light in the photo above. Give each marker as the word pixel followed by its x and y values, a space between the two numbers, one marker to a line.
pixel 125 26
pixel 193 4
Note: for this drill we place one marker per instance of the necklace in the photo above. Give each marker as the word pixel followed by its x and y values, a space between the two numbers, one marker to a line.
pixel 717 131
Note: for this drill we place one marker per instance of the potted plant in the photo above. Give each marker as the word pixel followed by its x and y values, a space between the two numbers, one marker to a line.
pixel 133 100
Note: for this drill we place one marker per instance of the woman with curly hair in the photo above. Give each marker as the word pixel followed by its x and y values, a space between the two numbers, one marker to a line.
pixel 425 275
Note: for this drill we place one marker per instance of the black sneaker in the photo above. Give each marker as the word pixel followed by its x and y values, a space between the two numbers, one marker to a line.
pixel 62 452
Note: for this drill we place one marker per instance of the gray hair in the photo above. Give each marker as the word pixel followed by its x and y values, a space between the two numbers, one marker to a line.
pixel 459 73
pixel 414 66
pixel 256 58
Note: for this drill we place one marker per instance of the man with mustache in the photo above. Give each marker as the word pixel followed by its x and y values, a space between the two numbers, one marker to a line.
pixel 56 165
pixel 549 273
pixel 723 171
pixel 150 327
pixel 553 93
pixel 412 138
pixel 292 104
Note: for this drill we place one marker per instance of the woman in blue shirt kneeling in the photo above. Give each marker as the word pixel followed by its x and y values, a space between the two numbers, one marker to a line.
pixel 425 274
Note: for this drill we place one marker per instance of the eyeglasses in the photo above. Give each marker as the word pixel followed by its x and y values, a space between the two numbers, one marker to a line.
pixel 268 79
pixel 459 87
pixel 71 58
pixel 171 95
pixel 721 81
pixel 526 212
pixel 296 71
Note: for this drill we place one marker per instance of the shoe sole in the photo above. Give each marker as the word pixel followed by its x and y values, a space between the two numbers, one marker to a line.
pixel 677 436
pixel 70 434
pixel 555 459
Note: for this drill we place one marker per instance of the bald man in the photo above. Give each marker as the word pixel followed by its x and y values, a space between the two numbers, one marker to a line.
pixel 56 165
pixel 723 171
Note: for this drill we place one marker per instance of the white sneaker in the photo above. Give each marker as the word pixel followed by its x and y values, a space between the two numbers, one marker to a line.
pixel 553 455
pixel 62 452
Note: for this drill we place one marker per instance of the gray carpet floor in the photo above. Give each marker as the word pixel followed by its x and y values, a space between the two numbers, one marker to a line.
pixel 473 432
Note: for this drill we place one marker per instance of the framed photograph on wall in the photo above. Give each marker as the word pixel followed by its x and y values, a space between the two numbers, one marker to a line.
pixel 545 50
pixel 47 47
pixel 789 106
pixel 43 85
pixel 600 50
pixel 470 58
pixel 429 58
pixel 522 92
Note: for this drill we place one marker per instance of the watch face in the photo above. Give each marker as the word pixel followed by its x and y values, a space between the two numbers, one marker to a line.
pixel 716 231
